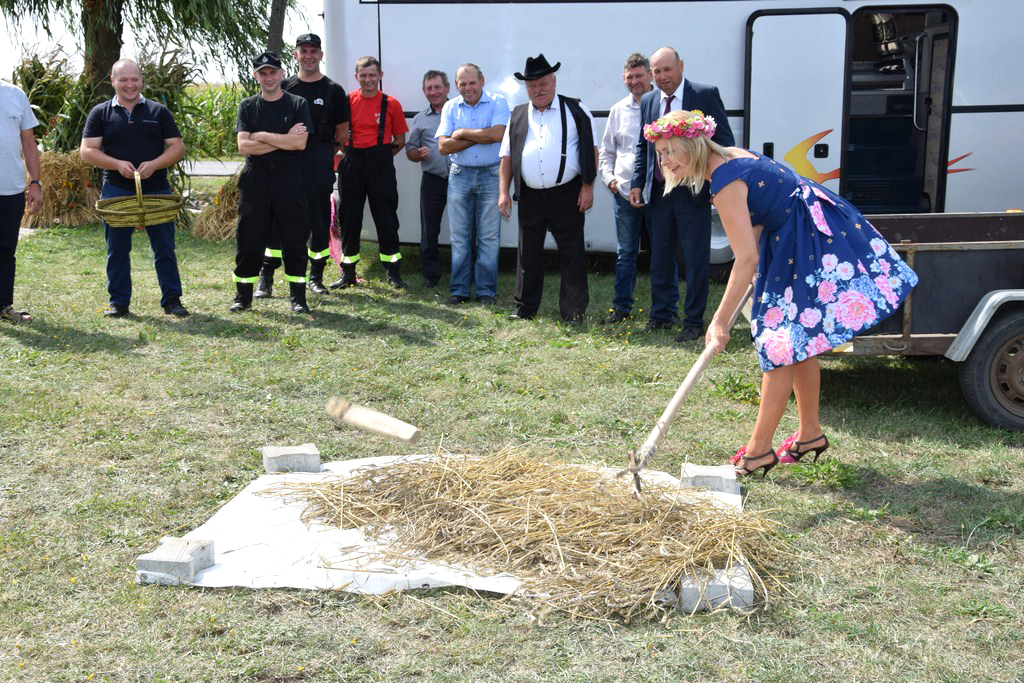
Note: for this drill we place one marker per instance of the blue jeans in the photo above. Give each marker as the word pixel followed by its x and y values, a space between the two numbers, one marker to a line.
pixel 119 247
pixel 628 222
pixel 473 196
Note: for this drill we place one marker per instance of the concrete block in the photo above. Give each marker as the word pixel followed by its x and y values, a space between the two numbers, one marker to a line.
pixel 723 588
pixel 718 478
pixel 304 458
pixel 175 560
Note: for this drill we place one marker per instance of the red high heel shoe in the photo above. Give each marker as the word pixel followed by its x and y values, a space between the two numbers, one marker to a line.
pixel 796 450
pixel 745 471
pixel 784 447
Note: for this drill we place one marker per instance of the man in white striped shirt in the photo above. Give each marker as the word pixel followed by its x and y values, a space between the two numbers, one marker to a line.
pixel 618 150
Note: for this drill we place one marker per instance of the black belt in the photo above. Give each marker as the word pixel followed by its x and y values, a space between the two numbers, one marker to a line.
pixel 575 179
pixel 366 150
pixel 274 164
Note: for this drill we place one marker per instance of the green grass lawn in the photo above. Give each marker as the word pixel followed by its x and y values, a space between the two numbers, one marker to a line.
pixel 907 553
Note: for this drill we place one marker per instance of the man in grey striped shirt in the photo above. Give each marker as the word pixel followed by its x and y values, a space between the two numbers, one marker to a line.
pixel 421 148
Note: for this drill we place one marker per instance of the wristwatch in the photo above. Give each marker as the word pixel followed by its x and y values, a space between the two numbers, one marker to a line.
pixel 36 182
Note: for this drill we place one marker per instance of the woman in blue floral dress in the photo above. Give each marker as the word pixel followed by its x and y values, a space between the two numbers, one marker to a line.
pixel 822 274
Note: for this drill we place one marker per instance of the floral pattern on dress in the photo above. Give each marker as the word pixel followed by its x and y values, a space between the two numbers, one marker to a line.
pixel 848 306
pixel 825 274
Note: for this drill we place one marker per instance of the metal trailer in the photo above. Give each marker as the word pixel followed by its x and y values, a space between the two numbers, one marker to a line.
pixel 968 305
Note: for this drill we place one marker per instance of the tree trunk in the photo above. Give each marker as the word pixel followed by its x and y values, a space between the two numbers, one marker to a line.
pixel 275 32
pixel 102 24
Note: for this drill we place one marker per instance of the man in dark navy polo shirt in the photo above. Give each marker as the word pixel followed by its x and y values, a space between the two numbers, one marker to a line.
pixel 129 135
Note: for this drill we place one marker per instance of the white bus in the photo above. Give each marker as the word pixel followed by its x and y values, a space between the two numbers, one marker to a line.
pixel 909 107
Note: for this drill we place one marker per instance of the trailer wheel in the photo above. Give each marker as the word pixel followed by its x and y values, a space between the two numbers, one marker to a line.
pixel 992 377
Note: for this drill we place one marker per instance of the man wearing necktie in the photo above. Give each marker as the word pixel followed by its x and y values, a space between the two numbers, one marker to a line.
pixel 681 218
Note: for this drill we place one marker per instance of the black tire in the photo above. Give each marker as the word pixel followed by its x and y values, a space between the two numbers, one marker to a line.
pixel 992 377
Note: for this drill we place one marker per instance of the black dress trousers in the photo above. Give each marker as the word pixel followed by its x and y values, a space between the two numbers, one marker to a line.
pixel 554 209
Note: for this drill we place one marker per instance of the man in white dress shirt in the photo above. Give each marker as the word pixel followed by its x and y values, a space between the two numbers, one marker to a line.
pixel 549 157
pixel 618 150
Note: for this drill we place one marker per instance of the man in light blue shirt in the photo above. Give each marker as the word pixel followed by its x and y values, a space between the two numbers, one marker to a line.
pixel 470 131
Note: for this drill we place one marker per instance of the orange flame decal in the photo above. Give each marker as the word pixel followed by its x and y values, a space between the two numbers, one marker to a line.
pixel 797 158
pixel 953 161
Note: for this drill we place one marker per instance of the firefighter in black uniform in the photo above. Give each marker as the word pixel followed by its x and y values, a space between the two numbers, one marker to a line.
pixel 367 171
pixel 273 126
pixel 329 109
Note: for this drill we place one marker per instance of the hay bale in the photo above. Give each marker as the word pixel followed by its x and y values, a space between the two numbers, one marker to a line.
pixel 218 221
pixel 580 540
pixel 69 193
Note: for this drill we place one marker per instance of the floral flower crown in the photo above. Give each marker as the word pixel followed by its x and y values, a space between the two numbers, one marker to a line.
pixel 695 125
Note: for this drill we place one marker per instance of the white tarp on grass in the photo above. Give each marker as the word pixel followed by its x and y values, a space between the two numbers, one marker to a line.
pixel 260 541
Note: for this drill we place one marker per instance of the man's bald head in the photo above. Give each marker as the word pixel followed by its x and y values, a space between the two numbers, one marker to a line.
pixel 124 65
pixel 126 77
pixel 667 67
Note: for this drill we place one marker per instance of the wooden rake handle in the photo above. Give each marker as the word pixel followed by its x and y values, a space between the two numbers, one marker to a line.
pixel 646 452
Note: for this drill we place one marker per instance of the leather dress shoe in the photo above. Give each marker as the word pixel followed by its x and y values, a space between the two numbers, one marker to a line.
pixel 116 311
pixel 519 315
pixel 174 307
pixel 660 325
pixel 487 300
pixel 455 300
pixel 690 334
pixel 614 317
pixel 430 282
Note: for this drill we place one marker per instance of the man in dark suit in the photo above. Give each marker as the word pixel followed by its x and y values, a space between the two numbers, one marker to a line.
pixel 681 218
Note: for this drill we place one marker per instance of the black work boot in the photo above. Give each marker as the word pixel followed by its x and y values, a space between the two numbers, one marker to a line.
pixel 394 275
pixel 298 295
pixel 243 299
pixel 265 287
pixel 316 276
pixel 348 277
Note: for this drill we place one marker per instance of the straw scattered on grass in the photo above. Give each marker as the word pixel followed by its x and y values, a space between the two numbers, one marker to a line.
pixel 578 538
pixel 217 221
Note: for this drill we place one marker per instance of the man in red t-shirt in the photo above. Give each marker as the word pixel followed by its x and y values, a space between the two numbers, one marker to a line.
pixel 367 171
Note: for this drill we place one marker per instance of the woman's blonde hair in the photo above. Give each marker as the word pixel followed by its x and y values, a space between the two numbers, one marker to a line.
pixel 699 148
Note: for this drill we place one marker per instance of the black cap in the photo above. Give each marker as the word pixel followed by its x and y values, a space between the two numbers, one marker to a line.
pixel 266 59
pixel 308 39
pixel 537 67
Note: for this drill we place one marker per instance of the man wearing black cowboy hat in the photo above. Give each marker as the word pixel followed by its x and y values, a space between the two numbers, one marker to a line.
pixel 549 157
pixel 272 129
pixel 329 109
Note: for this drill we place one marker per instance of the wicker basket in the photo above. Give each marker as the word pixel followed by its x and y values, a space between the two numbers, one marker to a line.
pixel 141 210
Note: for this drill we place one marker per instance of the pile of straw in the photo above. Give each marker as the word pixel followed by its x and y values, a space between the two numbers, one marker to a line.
pixel 217 221
pixel 69 193
pixel 580 540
